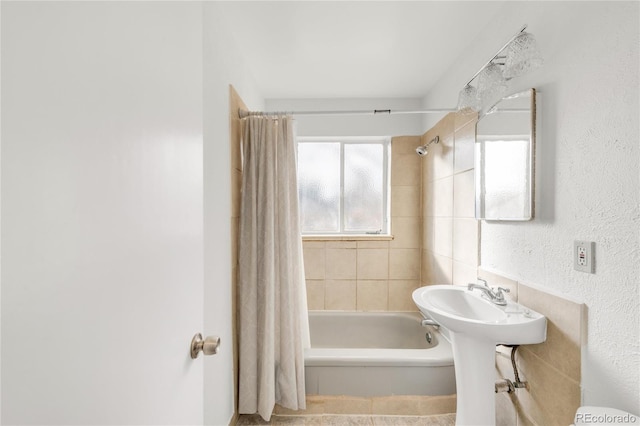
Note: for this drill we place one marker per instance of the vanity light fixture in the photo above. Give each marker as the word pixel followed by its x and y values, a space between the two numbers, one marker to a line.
pixel 517 57
pixel 468 98
pixel 522 56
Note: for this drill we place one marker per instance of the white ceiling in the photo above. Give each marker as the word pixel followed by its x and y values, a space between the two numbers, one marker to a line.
pixel 322 49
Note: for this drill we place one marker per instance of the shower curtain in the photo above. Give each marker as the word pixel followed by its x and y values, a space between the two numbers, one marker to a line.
pixel 272 303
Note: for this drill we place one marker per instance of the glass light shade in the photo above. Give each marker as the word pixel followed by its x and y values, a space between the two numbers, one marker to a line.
pixel 492 85
pixel 522 56
pixel 468 99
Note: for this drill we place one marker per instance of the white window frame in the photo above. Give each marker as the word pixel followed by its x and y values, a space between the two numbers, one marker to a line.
pixel 385 141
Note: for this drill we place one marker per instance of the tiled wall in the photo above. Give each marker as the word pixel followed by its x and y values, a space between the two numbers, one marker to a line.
pixel 373 274
pixel 551 369
pixel 435 234
pixel 235 102
pixel 436 242
pixel 450 237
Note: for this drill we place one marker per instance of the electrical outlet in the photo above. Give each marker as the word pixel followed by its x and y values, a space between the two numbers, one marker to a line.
pixel 584 256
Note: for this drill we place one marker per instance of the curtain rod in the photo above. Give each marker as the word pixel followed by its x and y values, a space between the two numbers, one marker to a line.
pixel 243 113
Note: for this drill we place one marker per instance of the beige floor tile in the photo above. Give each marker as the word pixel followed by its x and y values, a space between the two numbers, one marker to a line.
pixel 250 420
pixel 297 420
pixel 329 420
pixel 348 420
pixel 438 420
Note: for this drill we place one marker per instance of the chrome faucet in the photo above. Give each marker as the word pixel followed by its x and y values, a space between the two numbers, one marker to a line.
pixel 495 296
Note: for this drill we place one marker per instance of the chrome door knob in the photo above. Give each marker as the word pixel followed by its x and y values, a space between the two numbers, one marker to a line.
pixel 208 346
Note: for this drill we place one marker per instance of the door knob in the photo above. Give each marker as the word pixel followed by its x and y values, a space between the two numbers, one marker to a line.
pixel 208 345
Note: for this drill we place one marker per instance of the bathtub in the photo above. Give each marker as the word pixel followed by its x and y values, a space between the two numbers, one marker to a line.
pixel 376 354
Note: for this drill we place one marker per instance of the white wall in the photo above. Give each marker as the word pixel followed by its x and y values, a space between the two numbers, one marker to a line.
pixel 223 65
pixel 588 176
pixel 353 125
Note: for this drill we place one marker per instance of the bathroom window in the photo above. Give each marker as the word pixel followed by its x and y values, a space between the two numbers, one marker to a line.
pixel 343 184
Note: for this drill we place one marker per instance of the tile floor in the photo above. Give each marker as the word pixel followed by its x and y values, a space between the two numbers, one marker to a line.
pixel 348 420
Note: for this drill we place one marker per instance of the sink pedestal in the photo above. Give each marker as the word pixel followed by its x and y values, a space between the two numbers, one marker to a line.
pixel 476 325
pixel 474 363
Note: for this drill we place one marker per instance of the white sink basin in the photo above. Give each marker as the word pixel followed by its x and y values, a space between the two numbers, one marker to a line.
pixel 463 311
pixel 476 326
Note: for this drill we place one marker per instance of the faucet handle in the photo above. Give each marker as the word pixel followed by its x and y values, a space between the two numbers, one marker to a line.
pixel 500 295
pixel 483 282
pixel 499 298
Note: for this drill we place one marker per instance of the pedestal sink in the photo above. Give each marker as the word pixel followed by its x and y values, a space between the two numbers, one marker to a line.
pixel 476 326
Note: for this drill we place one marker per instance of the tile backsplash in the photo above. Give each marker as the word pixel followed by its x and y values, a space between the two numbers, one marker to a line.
pixel 360 275
pixel 551 369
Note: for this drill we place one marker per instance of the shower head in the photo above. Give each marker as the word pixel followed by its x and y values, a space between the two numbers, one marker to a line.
pixel 423 150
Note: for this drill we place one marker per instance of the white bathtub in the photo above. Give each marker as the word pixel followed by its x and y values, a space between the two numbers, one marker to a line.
pixel 376 354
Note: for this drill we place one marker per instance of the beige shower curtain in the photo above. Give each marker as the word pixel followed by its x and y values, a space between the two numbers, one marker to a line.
pixel 273 320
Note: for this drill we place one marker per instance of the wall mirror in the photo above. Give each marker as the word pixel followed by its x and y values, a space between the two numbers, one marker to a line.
pixel 504 159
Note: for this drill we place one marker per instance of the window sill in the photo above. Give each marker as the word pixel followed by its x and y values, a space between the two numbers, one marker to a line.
pixel 368 237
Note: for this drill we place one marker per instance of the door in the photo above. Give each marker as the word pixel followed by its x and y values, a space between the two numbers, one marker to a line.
pixel 101 212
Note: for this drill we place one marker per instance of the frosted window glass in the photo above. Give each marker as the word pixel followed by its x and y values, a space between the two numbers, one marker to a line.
pixel 363 187
pixel 319 186
pixel 342 185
